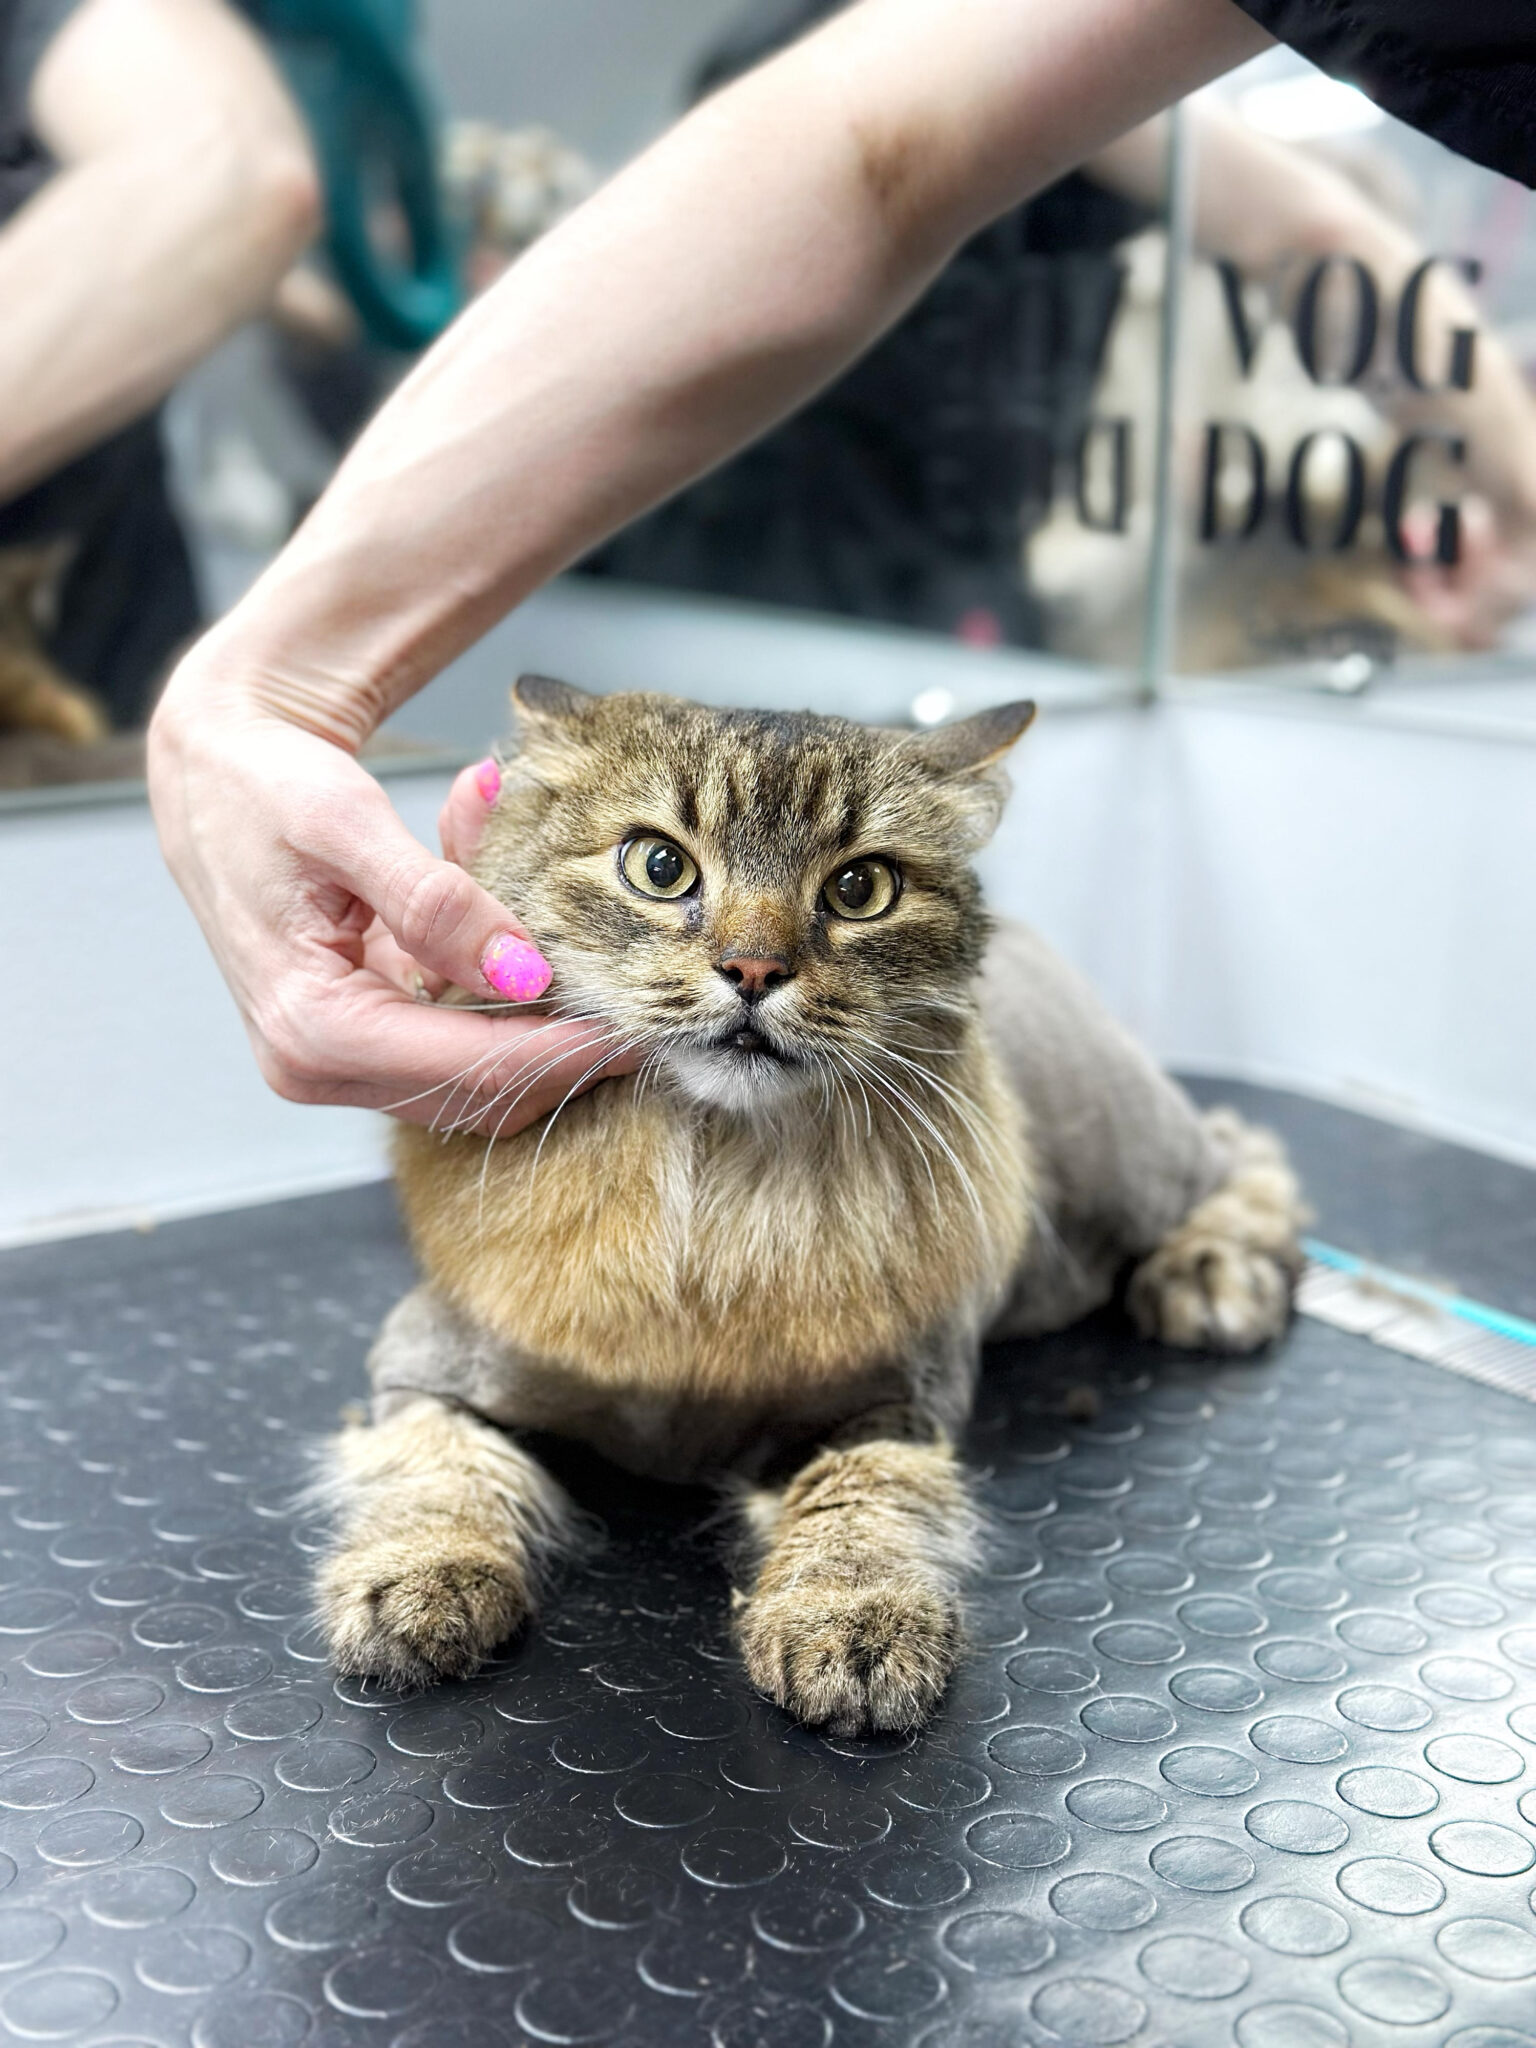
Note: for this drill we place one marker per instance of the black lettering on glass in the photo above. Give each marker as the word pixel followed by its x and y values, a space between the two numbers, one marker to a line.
pixel 1298 523
pixel 1245 336
pixel 1367 320
pixel 1119 435
pixel 1394 500
pixel 1210 502
pixel 1463 339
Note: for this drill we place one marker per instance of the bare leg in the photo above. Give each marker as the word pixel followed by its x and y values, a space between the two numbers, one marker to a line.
pixel 442 1524
pixel 854 1620
pixel 1223 1279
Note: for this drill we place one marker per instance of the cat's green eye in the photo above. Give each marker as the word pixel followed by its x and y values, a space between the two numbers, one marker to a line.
pixel 655 867
pixel 862 889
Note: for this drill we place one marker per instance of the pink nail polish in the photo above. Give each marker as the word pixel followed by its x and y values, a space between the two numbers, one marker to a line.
pixel 515 969
pixel 488 780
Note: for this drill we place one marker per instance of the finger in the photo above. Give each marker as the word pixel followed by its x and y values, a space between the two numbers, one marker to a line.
pixel 383 957
pixel 367 1046
pixel 447 923
pixel 463 815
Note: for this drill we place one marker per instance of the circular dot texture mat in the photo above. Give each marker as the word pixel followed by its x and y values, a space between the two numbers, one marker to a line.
pixel 1243 1751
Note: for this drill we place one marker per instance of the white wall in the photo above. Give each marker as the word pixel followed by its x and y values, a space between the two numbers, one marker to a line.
pixel 605 74
pixel 1333 897
pixel 1349 907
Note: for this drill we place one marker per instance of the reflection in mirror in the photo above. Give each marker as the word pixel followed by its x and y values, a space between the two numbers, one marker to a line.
pixel 1350 480
pixel 158 443
pixel 1356 430
pixel 916 489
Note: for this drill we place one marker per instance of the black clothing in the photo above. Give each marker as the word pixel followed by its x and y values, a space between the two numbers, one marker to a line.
pixel 1463 73
pixel 904 492
pixel 128 601
pixel 26 29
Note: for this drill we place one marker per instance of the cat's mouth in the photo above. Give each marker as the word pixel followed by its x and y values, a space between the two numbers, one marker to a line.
pixel 740 1068
pixel 748 1040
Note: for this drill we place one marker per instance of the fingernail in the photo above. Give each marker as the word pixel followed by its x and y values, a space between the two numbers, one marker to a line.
pixel 515 969
pixel 488 780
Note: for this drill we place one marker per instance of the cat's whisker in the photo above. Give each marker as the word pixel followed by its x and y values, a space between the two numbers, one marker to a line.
pixel 495 1052
pixel 982 1127
pixel 967 1184
pixel 510 1110
pixel 575 1088
pixel 904 1123
pixel 473 1112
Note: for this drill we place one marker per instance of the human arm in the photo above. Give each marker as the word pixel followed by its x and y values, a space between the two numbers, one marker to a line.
pixel 711 287
pixel 185 190
pixel 1273 210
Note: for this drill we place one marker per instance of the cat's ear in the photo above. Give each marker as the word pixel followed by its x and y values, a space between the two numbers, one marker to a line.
pixel 968 758
pixel 972 744
pixel 544 701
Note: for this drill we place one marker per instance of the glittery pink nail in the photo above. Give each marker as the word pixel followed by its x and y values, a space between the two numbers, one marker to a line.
pixel 515 969
pixel 488 780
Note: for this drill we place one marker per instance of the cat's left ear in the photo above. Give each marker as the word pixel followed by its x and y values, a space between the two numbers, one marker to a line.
pixel 968 756
pixel 547 702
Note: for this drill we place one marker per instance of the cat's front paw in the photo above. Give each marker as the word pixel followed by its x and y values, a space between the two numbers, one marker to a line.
pixel 1204 1292
pixel 852 1659
pixel 411 1614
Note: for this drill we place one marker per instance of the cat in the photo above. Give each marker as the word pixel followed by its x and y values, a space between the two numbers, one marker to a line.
pixel 35 695
pixel 872 1127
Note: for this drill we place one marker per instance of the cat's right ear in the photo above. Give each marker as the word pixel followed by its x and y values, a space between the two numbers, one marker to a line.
pixel 967 758
pixel 543 701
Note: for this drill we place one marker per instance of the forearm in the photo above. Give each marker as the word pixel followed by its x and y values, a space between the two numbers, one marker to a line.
pixel 123 271
pixel 698 298
pixel 1274 211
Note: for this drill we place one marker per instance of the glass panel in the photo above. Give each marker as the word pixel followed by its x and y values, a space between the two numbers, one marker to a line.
pixel 1356 433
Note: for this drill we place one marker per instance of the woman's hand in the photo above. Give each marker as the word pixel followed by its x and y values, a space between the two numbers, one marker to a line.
pixel 329 923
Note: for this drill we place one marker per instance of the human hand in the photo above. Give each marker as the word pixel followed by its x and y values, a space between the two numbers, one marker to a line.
pixel 328 920
pixel 1493 580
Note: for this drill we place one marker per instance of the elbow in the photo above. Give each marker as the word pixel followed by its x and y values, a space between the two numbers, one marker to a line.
pixel 285 198
pixel 265 201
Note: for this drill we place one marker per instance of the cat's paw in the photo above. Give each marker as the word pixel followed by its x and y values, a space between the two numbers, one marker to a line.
pixel 411 1614
pixel 852 1659
pixel 1203 1292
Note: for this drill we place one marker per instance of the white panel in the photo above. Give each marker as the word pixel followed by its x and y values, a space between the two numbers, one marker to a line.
pixel 1351 911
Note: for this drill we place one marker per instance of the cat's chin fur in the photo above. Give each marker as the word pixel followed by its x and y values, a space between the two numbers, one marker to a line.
pixel 742 1084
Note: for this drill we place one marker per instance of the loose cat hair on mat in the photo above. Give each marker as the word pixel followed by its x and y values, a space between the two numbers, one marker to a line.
pixel 871 1127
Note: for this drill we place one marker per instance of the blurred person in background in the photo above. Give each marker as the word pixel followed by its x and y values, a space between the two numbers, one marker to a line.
pixel 156 183
pixel 912 488
pixel 695 302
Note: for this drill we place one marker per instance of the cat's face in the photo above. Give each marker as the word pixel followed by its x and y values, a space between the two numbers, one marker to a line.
pixel 765 904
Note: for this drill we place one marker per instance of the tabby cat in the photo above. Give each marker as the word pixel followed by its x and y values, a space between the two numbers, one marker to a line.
pixel 872 1127
pixel 35 695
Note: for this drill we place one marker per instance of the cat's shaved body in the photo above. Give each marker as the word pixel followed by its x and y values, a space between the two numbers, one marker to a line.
pixel 773 1254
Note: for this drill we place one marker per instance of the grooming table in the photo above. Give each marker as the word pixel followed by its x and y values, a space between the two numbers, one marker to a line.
pixel 1244 1749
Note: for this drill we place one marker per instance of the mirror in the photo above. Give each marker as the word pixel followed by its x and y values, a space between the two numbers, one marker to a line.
pixel 1248 394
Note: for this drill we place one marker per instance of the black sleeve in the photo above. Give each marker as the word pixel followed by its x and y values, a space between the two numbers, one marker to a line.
pixel 27 27
pixel 1463 71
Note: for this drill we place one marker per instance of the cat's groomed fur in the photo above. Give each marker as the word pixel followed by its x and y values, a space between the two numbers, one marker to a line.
pixel 869 1129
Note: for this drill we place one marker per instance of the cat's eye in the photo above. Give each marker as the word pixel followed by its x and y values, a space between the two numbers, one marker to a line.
pixel 653 866
pixel 862 889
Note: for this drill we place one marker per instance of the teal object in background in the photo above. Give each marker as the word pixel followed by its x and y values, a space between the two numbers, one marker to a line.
pixel 351 65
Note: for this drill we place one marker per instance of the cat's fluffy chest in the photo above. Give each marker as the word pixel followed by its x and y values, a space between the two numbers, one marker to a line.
pixel 648 1246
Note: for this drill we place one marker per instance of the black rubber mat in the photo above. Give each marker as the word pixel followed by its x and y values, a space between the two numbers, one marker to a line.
pixel 1245 1750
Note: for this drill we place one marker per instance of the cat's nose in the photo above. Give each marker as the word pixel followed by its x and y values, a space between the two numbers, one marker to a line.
pixel 754 977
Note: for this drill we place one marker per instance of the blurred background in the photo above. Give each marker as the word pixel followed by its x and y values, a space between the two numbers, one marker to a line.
pixel 1224 449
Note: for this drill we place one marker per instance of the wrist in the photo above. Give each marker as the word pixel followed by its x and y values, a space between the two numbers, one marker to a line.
pixel 229 679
